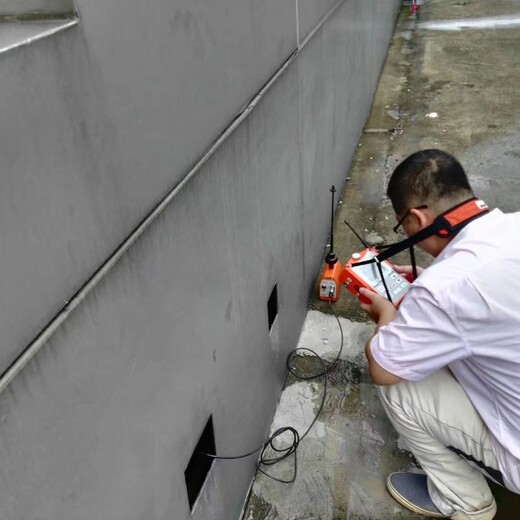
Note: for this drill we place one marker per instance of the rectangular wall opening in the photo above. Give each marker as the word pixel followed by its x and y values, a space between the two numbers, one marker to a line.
pixel 199 465
pixel 272 306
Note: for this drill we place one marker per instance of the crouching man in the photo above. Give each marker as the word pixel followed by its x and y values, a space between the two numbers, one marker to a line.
pixel 448 360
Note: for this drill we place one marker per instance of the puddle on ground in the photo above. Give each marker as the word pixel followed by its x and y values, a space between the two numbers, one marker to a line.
pixel 491 22
pixel 349 391
pixel 259 509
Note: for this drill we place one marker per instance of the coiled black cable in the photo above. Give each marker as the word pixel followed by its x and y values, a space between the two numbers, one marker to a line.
pixel 269 444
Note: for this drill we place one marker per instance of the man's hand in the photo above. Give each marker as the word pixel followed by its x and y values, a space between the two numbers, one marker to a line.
pixel 379 308
pixel 382 312
pixel 407 271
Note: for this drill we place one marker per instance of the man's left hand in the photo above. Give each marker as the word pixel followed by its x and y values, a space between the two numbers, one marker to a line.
pixel 379 308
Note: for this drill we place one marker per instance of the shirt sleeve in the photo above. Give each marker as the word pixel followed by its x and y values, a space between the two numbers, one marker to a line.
pixel 422 338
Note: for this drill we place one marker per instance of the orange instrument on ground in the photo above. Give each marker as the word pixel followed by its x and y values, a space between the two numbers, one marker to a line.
pixel 363 269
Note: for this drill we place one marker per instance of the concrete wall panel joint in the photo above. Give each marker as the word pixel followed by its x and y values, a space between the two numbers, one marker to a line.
pixel 16 34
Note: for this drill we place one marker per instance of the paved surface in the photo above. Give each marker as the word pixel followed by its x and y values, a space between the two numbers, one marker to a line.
pixel 451 82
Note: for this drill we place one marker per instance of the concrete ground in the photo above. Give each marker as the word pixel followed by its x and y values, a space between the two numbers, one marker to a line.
pixel 451 82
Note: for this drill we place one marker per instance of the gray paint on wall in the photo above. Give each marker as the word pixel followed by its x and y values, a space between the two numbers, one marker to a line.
pixel 103 420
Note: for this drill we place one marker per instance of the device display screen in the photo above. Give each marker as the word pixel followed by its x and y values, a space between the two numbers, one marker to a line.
pixel 370 273
pixel 397 286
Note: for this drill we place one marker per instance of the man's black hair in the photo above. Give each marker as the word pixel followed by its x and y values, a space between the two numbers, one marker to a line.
pixel 427 176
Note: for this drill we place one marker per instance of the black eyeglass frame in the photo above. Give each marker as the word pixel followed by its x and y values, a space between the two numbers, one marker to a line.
pixel 395 229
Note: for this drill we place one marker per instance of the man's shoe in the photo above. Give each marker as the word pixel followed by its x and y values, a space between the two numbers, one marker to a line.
pixel 411 491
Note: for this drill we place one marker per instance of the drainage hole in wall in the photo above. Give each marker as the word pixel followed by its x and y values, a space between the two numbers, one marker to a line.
pixel 199 465
pixel 272 306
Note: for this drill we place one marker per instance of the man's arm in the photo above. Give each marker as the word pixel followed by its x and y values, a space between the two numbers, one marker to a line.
pixel 382 312
pixel 378 374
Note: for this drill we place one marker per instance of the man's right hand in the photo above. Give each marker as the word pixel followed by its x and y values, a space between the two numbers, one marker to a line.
pixel 407 271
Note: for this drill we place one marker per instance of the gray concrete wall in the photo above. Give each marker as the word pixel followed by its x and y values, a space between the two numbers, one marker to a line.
pixel 99 124
pixel 114 113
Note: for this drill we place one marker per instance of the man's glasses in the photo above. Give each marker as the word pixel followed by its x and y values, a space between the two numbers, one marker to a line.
pixel 403 218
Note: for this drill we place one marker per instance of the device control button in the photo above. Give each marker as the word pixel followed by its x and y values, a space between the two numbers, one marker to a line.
pixel 403 285
pixel 356 256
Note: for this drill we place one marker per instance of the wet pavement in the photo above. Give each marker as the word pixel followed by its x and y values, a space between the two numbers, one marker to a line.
pixel 450 82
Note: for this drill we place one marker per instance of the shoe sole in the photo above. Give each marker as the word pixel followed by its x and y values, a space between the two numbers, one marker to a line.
pixel 412 507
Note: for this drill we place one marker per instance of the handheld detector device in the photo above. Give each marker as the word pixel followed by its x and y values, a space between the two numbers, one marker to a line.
pixel 382 279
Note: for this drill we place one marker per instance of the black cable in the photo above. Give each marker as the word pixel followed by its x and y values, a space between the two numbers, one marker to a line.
pixel 293 446
pixel 356 233
pixel 378 263
pixel 413 262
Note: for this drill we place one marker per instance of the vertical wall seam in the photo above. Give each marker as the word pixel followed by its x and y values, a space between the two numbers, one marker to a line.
pixel 318 26
pixel 297 23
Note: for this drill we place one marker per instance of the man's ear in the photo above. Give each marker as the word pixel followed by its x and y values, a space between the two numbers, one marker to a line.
pixel 421 217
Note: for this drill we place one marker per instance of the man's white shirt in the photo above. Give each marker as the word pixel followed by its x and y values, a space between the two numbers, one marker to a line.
pixel 464 312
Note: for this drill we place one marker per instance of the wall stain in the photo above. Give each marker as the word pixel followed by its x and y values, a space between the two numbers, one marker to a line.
pixel 228 310
pixel 187 24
